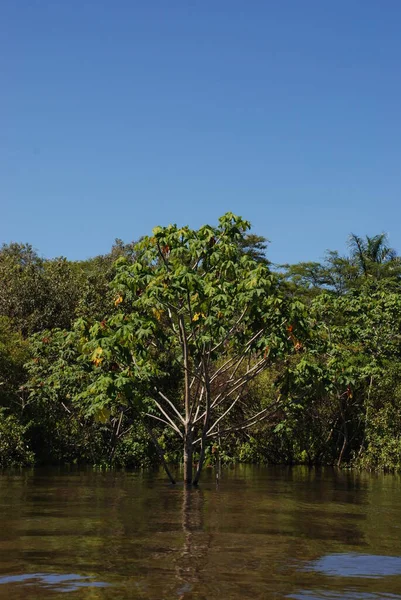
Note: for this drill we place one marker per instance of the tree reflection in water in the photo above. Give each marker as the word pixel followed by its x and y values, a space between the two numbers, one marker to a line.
pixel 192 560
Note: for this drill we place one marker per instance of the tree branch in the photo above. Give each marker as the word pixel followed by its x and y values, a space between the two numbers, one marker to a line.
pixel 174 426
pixel 163 421
pixel 171 404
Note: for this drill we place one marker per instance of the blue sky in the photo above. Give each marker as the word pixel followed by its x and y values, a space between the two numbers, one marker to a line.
pixel 119 116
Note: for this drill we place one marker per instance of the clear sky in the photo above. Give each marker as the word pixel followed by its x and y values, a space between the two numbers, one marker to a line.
pixel 119 116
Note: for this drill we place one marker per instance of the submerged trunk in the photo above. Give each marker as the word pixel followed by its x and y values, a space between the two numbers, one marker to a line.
pixel 200 464
pixel 345 443
pixel 202 451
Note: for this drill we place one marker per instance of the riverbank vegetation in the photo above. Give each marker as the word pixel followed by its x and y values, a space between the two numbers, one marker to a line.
pixel 190 347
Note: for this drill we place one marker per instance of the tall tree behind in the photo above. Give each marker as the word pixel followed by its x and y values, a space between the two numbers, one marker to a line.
pixel 36 293
pixel 254 246
pixel 370 257
pixel 373 257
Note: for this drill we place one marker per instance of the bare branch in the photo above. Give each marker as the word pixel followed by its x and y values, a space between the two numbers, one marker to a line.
pixel 233 328
pixel 169 419
pixel 237 384
pixel 198 401
pixel 206 421
pixel 224 368
pixel 163 421
pixel 196 413
pixel 258 418
pixel 170 314
pixel 238 357
pixel 185 356
pixel 224 414
pixel 172 405
pixel 250 374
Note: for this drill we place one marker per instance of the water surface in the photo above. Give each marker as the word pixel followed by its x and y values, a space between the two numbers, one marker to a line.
pixel 262 533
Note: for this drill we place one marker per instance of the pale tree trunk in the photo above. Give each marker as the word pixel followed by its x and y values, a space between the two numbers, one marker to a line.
pixel 200 463
pixel 188 453
pixel 340 458
pixel 345 442
pixel 344 431
pixel 206 423
pixel 188 437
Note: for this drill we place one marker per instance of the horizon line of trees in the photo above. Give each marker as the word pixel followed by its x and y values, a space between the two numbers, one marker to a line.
pixel 190 347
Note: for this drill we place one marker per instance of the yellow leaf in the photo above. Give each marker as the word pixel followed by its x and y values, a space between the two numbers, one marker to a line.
pixel 158 313
pixel 197 316
pixel 102 415
pixel 96 356
pixel 118 300
pixel 98 352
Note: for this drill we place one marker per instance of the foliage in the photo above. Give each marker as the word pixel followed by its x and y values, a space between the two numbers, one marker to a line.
pixel 382 446
pixel 189 344
pixel 196 300
pixel 14 451
pixel 370 259
pixel 96 295
pixel 35 293
pixel 333 384
pixel 57 431
pixel 14 352
pixel 60 429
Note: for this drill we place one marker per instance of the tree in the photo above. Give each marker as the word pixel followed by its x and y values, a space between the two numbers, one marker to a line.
pixel 95 294
pixel 370 258
pixel 255 246
pixel 195 302
pixel 35 293
pixel 373 257
pixel 14 352
pixel 336 383
pixel 60 430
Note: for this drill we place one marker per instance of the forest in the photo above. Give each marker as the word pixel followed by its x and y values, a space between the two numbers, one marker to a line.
pixel 190 348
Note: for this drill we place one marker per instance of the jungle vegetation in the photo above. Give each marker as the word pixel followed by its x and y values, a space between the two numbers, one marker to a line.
pixel 189 347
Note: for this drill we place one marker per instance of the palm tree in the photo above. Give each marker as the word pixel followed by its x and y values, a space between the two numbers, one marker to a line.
pixel 373 257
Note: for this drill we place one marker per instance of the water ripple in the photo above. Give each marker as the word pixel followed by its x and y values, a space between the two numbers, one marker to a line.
pixel 56 582
pixel 330 595
pixel 356 565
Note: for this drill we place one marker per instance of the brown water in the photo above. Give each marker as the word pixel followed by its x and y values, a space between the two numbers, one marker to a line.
pixel 263 533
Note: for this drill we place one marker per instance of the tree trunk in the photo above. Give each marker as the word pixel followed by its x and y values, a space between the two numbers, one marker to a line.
pixel 345 435
pixel 205 423
pixel 188 452
pixel 200 463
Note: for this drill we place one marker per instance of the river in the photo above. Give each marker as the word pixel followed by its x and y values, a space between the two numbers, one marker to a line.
pixel 260 533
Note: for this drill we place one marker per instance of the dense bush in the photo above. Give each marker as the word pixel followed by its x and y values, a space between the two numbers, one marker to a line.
pixel 14 450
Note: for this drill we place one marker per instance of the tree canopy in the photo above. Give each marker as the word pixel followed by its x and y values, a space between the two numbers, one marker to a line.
pixel 215 314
